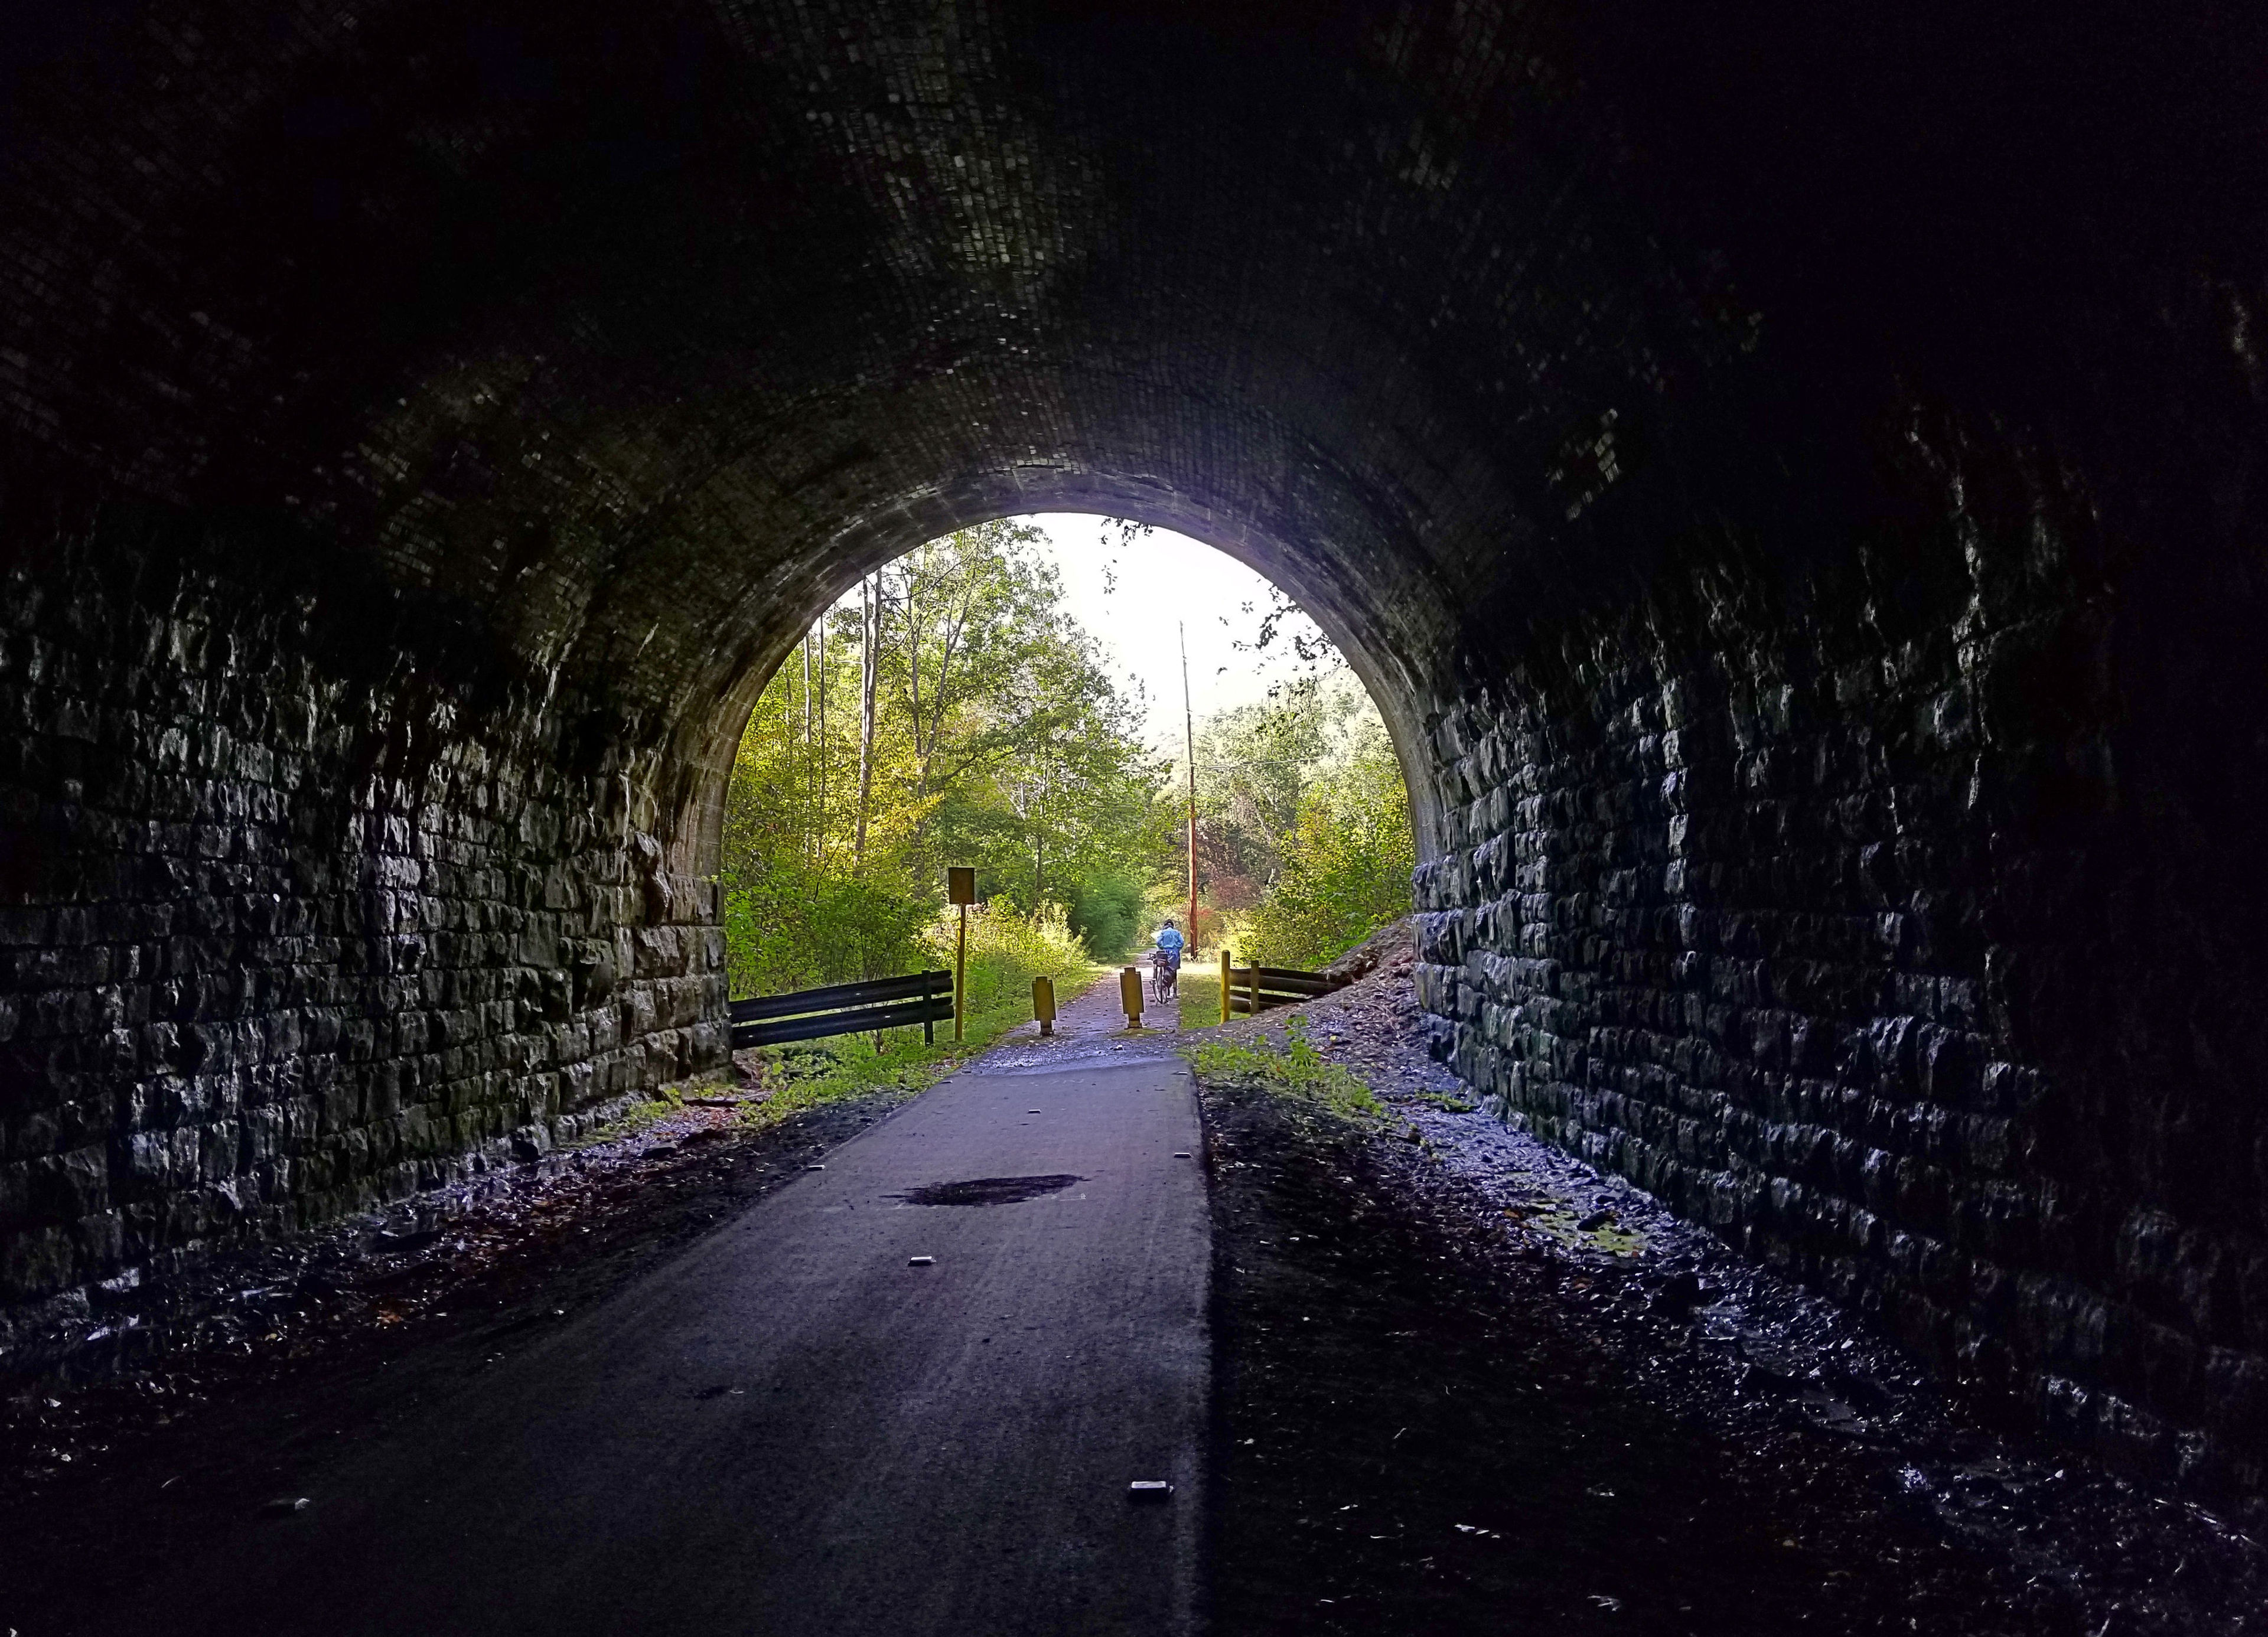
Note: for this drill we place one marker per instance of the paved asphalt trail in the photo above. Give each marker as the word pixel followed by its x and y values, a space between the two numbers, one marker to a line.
pixel 787 1429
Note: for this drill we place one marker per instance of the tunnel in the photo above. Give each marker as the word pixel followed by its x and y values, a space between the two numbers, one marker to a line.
pixel 1785 476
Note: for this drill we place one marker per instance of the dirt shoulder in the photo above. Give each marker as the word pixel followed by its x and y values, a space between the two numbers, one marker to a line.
pixel 250 1364
pixel 1460 1373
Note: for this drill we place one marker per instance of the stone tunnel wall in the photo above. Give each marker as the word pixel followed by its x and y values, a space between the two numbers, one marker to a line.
pixel 1870 925
pixel 1907 927
pixel 302 915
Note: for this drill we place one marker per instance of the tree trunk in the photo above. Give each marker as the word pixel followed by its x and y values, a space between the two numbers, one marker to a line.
pixel 819 852
pixel 951 640
pixel 808 781
pixel 913 654
pixel 870 641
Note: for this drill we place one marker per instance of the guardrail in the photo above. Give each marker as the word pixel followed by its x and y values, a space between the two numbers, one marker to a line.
pixel 919 997
pixel 1249 990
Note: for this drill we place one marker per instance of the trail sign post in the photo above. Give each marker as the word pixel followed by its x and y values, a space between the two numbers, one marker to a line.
pixel 1043 1002
pixel 961 890
pixel 1129 996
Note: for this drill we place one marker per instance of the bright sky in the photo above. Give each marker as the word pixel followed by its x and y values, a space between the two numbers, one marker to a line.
pixel 1163 578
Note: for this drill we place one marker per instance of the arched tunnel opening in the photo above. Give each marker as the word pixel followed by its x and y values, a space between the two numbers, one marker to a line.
pixel 1024 697
pixel 1787 481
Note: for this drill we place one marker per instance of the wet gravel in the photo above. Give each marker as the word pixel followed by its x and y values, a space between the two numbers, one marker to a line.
pixel 1466 1383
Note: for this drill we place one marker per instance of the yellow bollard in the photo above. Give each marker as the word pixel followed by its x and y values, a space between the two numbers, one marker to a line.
pixel 1043 1004
pixel 1225 969
pixel 1129 996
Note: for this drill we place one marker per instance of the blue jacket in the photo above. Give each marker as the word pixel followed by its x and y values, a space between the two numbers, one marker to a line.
pixel 1171 940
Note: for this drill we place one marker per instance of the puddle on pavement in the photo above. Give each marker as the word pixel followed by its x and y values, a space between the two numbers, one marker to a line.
pixel 988 1191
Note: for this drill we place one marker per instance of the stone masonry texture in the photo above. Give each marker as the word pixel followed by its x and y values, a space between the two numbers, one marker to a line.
pixel 293 946
pixel 1834 931
pixel 1790 482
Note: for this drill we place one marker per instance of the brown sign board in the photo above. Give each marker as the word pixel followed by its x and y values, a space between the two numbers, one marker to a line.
pixel 960 886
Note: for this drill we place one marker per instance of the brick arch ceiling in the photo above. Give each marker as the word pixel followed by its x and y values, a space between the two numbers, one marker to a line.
pixel 624 333
pixel 620 330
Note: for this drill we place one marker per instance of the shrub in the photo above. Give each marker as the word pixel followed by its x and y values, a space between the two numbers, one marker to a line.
pixel 1007 949
pixel 794 928
pixel 1347 868
pixel 1106 912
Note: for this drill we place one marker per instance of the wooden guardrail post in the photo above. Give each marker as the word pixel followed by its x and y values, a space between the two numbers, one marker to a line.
pixel 1043 1002
pixel 1129 996
pixel 1251 988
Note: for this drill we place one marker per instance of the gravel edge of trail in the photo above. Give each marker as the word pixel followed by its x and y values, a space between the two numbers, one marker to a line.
pixel 1716 1340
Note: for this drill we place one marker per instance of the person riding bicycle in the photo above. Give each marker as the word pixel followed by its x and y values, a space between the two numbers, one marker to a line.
pixel 1170 944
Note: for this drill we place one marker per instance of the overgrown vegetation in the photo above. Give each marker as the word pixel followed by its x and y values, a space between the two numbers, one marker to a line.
pixel 1347 868
pixel 1298 1070
pixel 950 712
pixel 1304 823
pixel 1106 911
pixel 1006 950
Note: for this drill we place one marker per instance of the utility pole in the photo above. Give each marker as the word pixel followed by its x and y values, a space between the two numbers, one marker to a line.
pixel 1190 749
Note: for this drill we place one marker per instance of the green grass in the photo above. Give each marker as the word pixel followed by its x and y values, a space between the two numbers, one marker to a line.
pixel 633 1119
pixel 1200 996
pixel 810 1074
pixel 1298 1070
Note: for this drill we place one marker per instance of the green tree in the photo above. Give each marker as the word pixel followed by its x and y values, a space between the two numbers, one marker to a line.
pixel 973 721
pixel 1026 752
pixel 1347 864
pixel 1254 764
pixel 1107 912
pixel 1304 819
